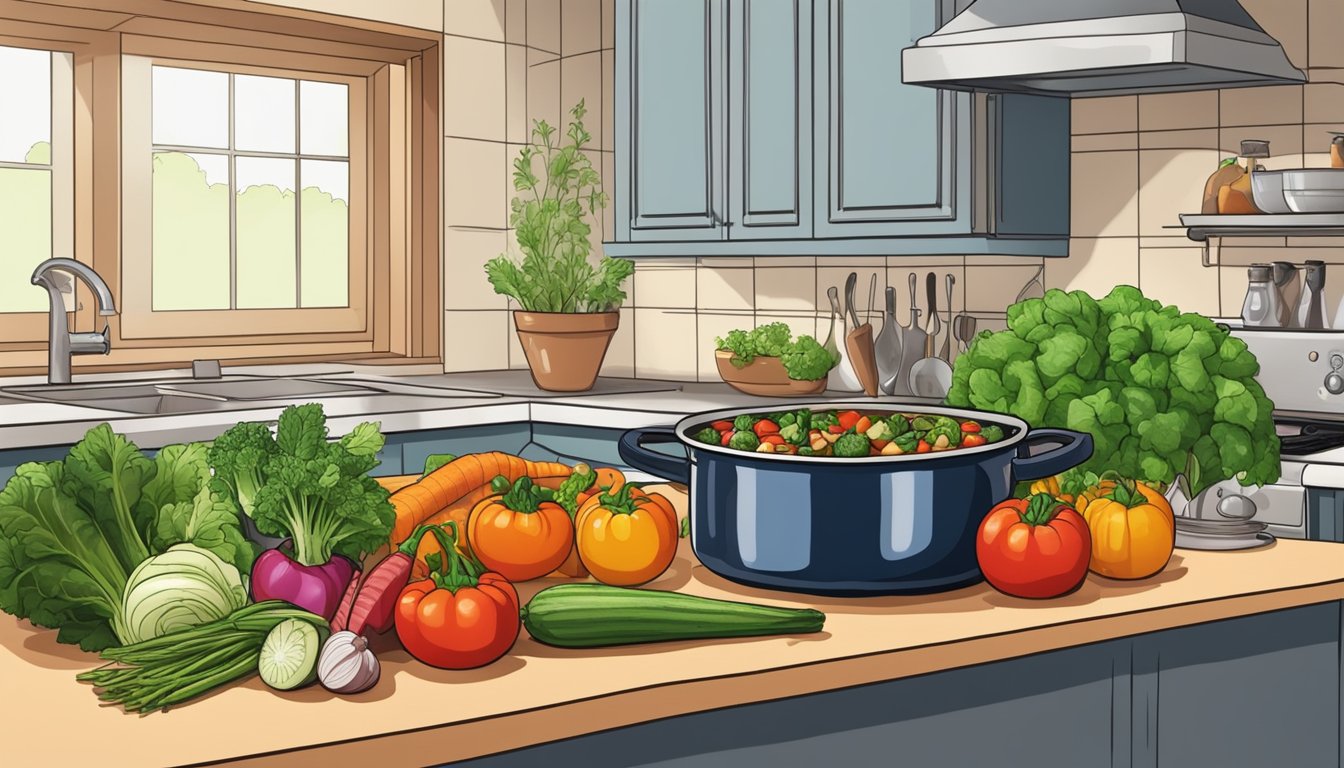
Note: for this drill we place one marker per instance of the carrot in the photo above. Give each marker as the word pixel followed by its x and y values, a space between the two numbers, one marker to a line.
pixel 448 486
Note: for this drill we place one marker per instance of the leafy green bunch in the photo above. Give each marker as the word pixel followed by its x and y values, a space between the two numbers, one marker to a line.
pixel 555 274
pixel 1161 392
pixel 300 486
pixel 803 358
pixel 73 531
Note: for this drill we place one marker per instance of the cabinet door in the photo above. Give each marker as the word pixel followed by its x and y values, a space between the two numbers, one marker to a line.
pixel 669 131
pixel 892 159
pixel 770 119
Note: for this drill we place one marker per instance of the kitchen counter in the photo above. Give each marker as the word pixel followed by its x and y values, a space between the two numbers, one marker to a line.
pixel 418 715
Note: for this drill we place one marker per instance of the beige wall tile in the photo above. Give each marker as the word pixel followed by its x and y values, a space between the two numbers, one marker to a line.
pixel 786 261
pixel 665 344
pixel 608 23
pixel 1198 138
pixel 800 323
pixel 580 26
pixel 608 106
pixel 1177 111
pixel 620 359
pixel 1109 114
pixel 1285 143
pixel 725 287
pixel 1104 142
pixel 581 78
pixel 543 94
pixel 1175 276
pixel 609 187
pixel 474 183
pixel 1285 21
pixel 515 21
pixel 926 262
pixel 786 288
pixel 1232 282
pixel 992 289
pixel 1104 194
pixel 474 18
pixel 1171 182
pixel 465 252
pixel 517 128
pixel 709 327
pixel 517 358
pixel 664 286
pixel 1323 102
pixel 1263 105
pixel 1095 265
pixel 828 276
pixel 1327 29
pixel 511 152
pixel 474 82
pixel 543 25
pixel 475 340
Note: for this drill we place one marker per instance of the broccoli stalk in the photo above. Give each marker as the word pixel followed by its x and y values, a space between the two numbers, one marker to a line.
pixel 238 457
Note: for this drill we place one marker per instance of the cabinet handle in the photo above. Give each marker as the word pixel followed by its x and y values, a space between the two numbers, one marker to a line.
pixel 717 220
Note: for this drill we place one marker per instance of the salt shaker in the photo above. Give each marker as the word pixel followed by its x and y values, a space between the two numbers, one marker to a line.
pixel 1261 306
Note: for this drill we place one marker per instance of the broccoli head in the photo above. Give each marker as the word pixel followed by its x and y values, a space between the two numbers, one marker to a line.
pixel 744 441
pixel 807 360
pixel 851 445
pixel 708 435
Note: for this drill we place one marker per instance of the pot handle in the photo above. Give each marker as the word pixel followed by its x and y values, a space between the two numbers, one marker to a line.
pixel 633 452
pixel 1076 448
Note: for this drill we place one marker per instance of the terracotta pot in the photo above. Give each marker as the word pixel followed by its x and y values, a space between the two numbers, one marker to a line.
pixel 565 350
pixel 764 377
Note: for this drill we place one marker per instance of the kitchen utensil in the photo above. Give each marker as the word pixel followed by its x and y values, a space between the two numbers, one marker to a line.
pixel 1287 284
pixel 946 351
pixel 933 325
pixel 859 342
pixel 872 299
pixel 1311 305
pixel 1260 308
pixel 963 327
pixel 842 377
pixel 1035 287
pixel 931 377
pixel 1267 191
pixel 1223 536
pixel 912 344
pixel 887 347
pixel 1314 190
pixel 1235 506
pixel 909 522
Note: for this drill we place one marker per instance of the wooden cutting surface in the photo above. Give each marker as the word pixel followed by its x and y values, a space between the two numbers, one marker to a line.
pixel 419 715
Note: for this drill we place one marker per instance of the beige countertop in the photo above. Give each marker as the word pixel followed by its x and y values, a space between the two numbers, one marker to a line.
pixel 419 715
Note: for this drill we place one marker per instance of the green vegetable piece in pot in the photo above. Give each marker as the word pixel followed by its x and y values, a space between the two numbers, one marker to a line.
pixel 898 425
pixel 793 434
pixel 852 445
pixel 922 423
pixel 708 435
pixel 944 427
pixel 784 419
pixel 744 441
pixel 880 430
pixel 907 442
pixel 992 433
pixel 744 423
pixel 806 450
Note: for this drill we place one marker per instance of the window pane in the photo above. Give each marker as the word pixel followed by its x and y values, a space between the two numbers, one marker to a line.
pixel 191 107
pixel 25 220
pixel 265 235
pixel 325 233
pixel 263 114
pixel 324 118
pixel 191 231
pixel 25 117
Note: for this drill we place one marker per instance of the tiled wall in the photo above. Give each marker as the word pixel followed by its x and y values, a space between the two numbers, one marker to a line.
pixel 1139 161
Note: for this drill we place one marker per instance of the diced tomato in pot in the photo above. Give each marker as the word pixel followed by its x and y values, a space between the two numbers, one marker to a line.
pixel 863 424
pixel 970 426
pixel 835 429
pixel 847 420
pixel 723 440
pixel 766 427
pixel 722 426
pixel 880 444
pixel 772 439
pixel 972 440
pixel 923 447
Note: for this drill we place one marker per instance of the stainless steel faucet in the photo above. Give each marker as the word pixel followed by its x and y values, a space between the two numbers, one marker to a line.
pixel 63 344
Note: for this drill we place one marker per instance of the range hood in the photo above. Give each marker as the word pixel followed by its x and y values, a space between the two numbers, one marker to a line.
pixel 1099 48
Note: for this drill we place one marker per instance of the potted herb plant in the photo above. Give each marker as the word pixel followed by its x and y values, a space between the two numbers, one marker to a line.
pixel 568 306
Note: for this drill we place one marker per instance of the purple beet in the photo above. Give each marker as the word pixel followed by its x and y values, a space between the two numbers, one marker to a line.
pixel 315 588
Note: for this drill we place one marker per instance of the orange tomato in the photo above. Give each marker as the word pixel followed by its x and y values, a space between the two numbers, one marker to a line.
pixel 627 538
pixel 520 536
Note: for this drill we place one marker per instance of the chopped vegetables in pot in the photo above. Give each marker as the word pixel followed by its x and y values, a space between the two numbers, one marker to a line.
pixel 847 434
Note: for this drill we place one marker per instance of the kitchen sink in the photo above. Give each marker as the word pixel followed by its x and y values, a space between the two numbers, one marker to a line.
pixel 126 398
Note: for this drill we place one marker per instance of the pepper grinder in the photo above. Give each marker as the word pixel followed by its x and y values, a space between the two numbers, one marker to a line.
pixel 1311 307
pixel 1286 283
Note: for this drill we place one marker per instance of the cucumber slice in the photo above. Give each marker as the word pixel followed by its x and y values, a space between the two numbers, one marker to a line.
pixel 289 655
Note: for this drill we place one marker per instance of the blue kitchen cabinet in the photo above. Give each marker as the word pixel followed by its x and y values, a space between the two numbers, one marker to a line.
pixel 782 127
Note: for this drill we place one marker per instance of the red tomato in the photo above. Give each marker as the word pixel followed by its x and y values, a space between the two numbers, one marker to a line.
pixel 1035 548
pixel 722 426
pixel 970 426
pixel 880 444
pixel 772 439
pixel 972 440
pixel 923 447
pixel 835 429
pixel 725 437
pixel 848 419
pixel 766 427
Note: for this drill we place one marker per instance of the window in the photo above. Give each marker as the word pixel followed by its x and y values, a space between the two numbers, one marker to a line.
pixel 251 191
pixel 35 204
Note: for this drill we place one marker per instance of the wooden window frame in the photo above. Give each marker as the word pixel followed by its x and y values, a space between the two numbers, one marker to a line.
pixel 403 242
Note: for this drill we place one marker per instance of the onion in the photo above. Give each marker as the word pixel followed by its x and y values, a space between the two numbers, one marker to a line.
pixel 346 665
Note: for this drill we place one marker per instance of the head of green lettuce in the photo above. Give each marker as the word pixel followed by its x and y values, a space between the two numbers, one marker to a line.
pixel 1161 392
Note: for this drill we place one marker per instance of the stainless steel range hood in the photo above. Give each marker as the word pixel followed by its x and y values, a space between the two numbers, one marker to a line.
pixel 1099 48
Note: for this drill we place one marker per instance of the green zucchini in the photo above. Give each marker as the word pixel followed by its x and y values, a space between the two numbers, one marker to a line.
pixel 592 615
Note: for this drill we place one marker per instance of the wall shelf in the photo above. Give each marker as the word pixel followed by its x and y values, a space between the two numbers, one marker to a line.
pixel 1200 227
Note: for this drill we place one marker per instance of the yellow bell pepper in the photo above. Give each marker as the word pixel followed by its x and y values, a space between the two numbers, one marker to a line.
pixel 1133 530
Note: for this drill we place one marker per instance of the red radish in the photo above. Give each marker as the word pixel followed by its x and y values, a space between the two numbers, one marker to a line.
pixel 342 616
pixel 376 601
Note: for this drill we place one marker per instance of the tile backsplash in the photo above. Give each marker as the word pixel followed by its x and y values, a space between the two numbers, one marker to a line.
pixel 1137 163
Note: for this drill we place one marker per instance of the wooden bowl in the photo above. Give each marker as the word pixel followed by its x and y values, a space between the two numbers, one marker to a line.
pixel 764 377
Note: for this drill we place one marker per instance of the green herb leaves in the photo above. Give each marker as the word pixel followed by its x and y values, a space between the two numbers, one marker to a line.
pixel 803 359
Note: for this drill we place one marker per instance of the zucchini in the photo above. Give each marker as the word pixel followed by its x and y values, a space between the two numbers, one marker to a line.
pixel 593 615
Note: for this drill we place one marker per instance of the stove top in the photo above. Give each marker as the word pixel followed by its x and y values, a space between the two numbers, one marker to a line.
pixel 1299 439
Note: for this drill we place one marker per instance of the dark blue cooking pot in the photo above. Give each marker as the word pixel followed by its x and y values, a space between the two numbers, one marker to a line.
pixel 849 526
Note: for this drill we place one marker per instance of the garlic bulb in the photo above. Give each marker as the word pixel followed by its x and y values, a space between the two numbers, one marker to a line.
pixel 346 665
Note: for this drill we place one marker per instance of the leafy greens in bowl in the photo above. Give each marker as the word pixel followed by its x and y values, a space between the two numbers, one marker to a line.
pixel 803 358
